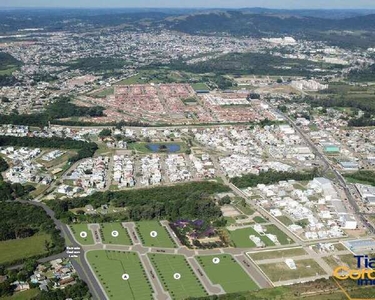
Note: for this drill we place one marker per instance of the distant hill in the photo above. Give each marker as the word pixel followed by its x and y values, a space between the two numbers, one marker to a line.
pixel 243 23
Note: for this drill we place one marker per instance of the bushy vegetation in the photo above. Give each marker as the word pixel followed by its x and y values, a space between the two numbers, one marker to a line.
pixel 190 201
pixel 84 149
pixel 364 176
pixel 78 291
pixel 363 75
pixel 61 108
pixel 269 177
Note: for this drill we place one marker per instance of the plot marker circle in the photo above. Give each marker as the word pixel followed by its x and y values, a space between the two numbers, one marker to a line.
pixel 177 276
pixel 115 233
pixel 153 234
pixel 216 260
pixel 125 276
pixel 83 234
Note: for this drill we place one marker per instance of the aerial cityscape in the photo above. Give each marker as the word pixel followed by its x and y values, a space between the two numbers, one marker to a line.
pixel 163 152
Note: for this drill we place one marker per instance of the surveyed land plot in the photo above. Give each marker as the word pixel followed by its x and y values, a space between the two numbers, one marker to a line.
pixel 177 276
pixel 121 274
pixel 114 233
pixel 224 270
pixel 82 234
pixel 153 234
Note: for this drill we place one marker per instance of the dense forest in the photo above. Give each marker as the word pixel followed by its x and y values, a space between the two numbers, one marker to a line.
pixel 253 63
pixel 363 75
pixel 97 64
pixel 190 201
pixel 269 177
pixel 364 176
pixel 84 149
pixel 61 108
pixel 19 220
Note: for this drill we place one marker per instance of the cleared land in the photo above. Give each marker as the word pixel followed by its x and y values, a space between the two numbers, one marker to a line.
pixel 281 272
pixel 228 273
pixel 77 229
pixel 277 254
pixel 110 266
pixel 167 266
pixel 13 250
pixel 107 230
pixel 162 238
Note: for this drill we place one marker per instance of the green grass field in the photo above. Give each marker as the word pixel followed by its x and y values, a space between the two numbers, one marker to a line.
pixel 110 266
pixel 13 250
pixel 77 229
pixel 240 238
pixel 162 239
pixel 167 266
pixel 200 86
pixel 228 273
pixel 281 272
pixel 26 295
pixel 106 230
pixel 281 236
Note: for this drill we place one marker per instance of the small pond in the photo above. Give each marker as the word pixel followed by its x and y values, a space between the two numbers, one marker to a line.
pixel 164 147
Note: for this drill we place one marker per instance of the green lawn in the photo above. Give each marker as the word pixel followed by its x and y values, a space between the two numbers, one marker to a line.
pixel 110 266
pixel 26 295
pixel 167 266
pixel 281 236
pixel 285 220
pixel 162 239
pixel 228 273
pixel 77 229
pixel 13 250
pixel 106 230
pixel 281 272
pixel 200 86
pixel 240 238
pixel 259 220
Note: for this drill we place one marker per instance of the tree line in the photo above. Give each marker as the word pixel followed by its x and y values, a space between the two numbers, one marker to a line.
pixel 61 108
pixel 20 220
pixel 270 177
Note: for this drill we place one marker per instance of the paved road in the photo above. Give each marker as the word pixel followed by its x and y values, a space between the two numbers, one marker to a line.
pixel 253 271
pixel 328 166
pixel 80 264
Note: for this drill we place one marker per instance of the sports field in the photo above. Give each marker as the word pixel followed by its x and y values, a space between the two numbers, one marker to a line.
pixel 77 229
pixel 111 266
pixel 240 238
pixel 227 272
pixel 12 250
pixel 162 238
pixel 169 266
pixel 108 233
